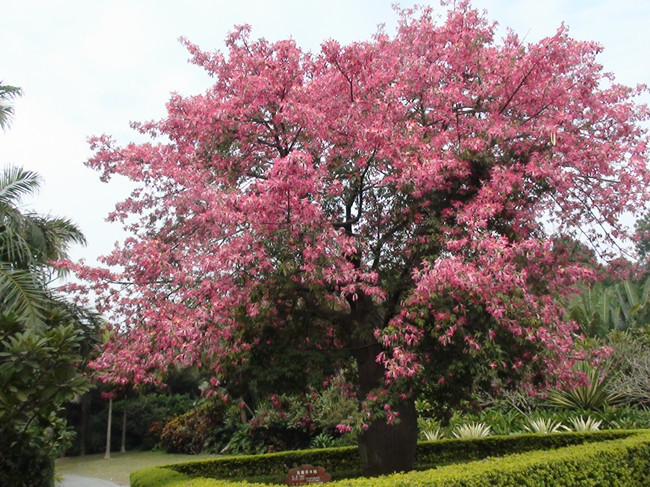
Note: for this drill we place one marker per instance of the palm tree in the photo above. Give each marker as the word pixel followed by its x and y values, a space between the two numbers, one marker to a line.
pixel 7 93
pixel 29 242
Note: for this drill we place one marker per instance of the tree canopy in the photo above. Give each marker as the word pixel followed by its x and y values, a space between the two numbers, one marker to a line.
pixel 394 203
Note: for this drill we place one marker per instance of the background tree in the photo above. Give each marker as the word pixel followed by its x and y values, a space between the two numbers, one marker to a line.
pixel 378 204
pixel 642 235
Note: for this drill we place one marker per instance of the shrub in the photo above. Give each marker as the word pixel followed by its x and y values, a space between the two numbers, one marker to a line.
pixel 629 366
pixel 322 440
pixel 610 458
pixel 147 416
pixel 25 460
pixel 37 375
pixel 189 432
pixel 444 452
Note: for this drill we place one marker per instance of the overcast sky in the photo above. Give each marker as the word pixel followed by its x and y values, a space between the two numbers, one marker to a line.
pixel 89 67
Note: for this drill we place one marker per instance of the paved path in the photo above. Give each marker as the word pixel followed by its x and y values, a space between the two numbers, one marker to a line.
pixel 70 480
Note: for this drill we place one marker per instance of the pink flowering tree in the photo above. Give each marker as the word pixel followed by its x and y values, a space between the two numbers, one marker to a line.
pixel 395 204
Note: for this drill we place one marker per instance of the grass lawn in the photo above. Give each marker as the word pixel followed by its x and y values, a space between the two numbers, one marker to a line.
pixel 120 465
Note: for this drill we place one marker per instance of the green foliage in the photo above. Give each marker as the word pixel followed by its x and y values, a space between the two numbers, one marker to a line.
pixel 594 395
pixel 26 461
pixel 331 408
pixel 565 459
pixel 582 424
pixel 631 308
pixel 472 430
pixel 276 465
pixel 22 294
pixel 642 228
pixel 28 244
pixel 185 434
pixel 626 418
pixel 628 366
pixel 159 477
pixel 148 414
pixel 285 422
pixel 37 375
pixel 592 310
pixel 430 429
pixel 188 433
pixel 604 307
pixel 501 422
pixel 433 434
pixel 504 420
pixel 617 417
pixel 41 334
pixel 322 440
pixel 543 425
pixel 36 370
pixel 7 94
pixel 449 451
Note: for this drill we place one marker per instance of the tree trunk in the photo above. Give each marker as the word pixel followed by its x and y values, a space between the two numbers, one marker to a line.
pixel 85 401
pixel 123 446
pixel 385 448
pixel 107 455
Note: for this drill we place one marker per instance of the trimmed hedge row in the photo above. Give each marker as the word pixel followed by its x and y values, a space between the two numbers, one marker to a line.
pixel 342 461
pixel 444 452
pixel 600 458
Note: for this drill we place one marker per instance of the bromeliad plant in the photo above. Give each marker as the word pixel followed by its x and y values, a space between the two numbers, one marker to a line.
pixel 430 429
pixel 472 430
pixel 581 424
pixel 593 395
pixel 543 425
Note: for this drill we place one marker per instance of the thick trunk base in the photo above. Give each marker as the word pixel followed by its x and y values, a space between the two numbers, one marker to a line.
pixel 388 448
pixel 384 448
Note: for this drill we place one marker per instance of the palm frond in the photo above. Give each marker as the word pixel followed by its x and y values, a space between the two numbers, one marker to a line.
pixel 22 295
pixel 16 183
pixel 53 236
pixel 7 93
pixel 14 248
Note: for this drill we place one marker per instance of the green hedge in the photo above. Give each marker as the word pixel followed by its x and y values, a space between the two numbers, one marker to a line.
pixel 601 458
pixel 443 452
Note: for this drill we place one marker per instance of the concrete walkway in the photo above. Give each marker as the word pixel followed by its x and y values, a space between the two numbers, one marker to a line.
pixel 70 480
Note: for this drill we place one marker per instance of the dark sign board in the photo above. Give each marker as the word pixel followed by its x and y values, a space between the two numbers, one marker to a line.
pixel 307 475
